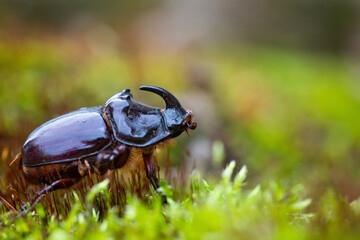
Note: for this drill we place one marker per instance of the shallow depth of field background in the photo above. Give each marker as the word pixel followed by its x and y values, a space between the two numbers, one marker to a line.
pixel 277 83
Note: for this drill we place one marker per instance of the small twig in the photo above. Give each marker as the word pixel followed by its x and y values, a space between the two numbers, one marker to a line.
pixel 18 156
pixel 8 204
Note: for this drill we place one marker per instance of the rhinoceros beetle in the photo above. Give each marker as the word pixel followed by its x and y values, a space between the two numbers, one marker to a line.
pixel 102 138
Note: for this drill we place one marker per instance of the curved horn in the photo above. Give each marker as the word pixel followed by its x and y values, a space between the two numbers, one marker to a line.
pixel 170 100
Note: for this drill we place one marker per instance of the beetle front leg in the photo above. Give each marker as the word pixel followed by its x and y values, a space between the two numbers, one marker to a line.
pixel 112 158
pixel 151 174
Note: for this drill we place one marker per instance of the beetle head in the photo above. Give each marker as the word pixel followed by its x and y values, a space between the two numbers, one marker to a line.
pixel 176 117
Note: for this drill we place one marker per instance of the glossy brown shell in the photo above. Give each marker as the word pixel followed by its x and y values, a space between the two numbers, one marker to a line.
pixel 79 134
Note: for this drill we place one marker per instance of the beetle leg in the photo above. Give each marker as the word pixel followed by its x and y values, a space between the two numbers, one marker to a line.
pixel 151 174
pixel 112 158
pixel 59 184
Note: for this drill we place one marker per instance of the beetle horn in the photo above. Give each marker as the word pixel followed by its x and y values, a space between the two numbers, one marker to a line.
pixel 170 100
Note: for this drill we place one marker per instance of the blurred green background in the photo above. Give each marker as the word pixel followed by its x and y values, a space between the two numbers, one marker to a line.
pixel 276 83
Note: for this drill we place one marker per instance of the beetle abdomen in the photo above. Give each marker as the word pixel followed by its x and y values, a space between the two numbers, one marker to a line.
pixel 79 134
pixel 47 174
